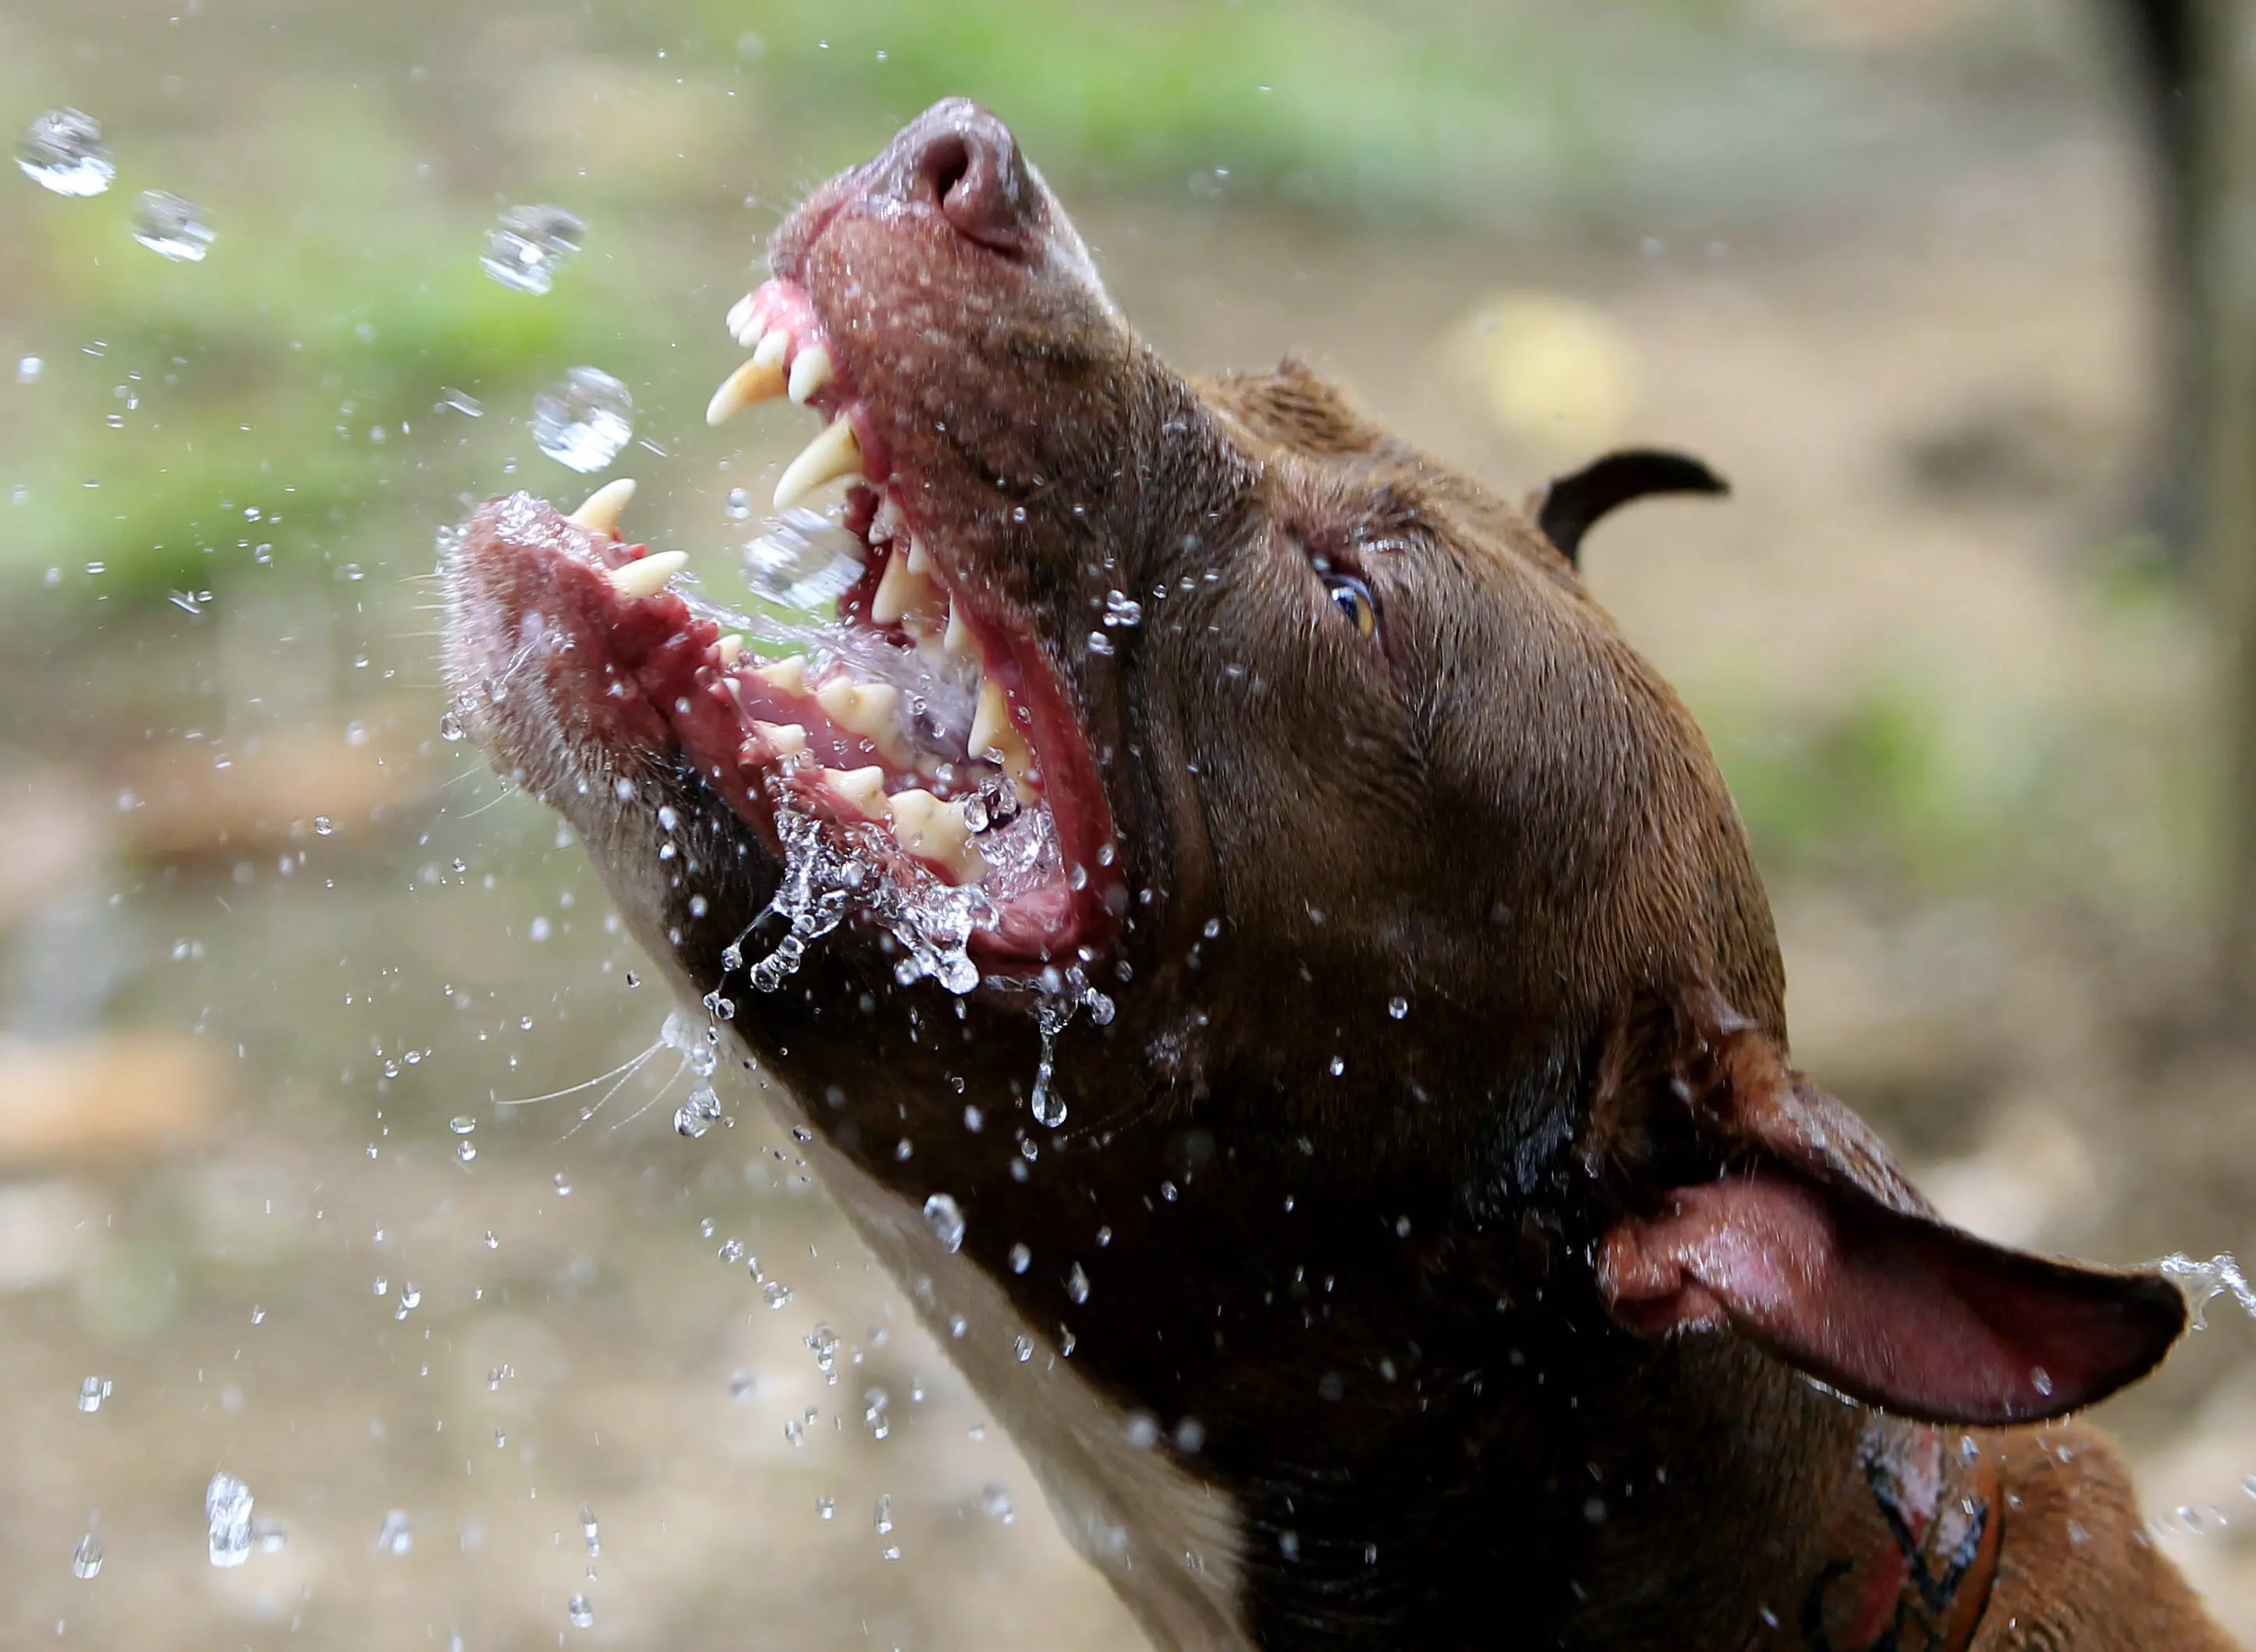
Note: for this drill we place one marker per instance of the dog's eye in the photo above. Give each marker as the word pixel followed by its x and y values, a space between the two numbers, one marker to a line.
pixel 1352 598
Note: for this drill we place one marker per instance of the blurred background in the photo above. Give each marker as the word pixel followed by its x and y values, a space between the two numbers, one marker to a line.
pixel 1956 292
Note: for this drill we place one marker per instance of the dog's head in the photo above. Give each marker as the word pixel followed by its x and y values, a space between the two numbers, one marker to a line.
pixel 1300 765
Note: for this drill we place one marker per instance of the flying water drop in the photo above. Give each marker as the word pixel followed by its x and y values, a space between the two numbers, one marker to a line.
pixel 583 421
pixel 528 247
pixel 62 151
pixel 227 1515
pixel 945 1218
pixel 171 226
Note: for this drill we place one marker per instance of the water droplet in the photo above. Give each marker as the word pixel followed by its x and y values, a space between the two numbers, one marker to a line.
pixel 529 246
pixel 775 1293
pixel 826 1508
pixel 1021 1258
pixel 582 1614
pixel 410 1295
pixel 465 1151
pixel 882 1520
pixel 740 504
pixel 1076 1284
pixel 1398 1007
pixel 563 1185
pixel 29 368
pixel 492 1243
pixel 227 1515
pixel 583 420
pixel 462 1124
pixel 450 727
pixel 86 1559
pixel 1122 609
pixel 945 1218
pixel 62 151
pixel 802 559
pixel 1024 1347
pixel 92 1392
pixel 395 1537
pixel 171 226
pixel 587 1530
pixel 2041 1379
pixel 732 1251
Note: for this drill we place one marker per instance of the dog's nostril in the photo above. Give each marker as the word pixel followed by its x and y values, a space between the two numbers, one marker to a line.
pixel 944 164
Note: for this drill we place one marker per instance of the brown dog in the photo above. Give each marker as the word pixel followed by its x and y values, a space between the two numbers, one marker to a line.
pixel 1281 984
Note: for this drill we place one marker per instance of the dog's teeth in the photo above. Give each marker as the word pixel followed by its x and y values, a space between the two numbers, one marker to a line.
pixel 935 831
pixel 785 739
pixel 996 735
pixel 741 325
pixel 920 559
pixel 747 386
pixel 863 788
pixel 871 710
pixel 730 647
pixel 646 576
pixel 788 673
pixel 902 591
pixel 770 350
pixel 958 638
pixel 809 372
pixel 832 455
pixel 886 523
pixel 600 513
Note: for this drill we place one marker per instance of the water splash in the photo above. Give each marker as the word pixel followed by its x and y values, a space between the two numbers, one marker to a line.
pixel 1064 995
pixel 824 882
pixel 2203 1282
pixel 802 560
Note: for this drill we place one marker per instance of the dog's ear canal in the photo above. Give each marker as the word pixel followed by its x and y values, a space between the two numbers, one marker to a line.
pixel 1809 1241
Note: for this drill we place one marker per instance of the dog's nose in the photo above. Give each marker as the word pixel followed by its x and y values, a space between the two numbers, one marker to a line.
pixel 957 156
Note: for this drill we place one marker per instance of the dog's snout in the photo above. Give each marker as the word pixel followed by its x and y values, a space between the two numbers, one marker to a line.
pixel 959 158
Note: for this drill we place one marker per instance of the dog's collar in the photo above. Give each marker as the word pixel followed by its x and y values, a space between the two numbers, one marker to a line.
pixel 1912 1548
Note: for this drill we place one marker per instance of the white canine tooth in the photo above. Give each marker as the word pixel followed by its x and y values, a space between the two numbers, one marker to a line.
pixel 747 386
pixel 958 638
pixel 810 371
pixel 770 350
pixel 730 647
pixel 994 734
pixel 600 513
pixel 785 739
pixel 646 576
pixel 832 455
pixel 863 788
pixel 901 590
pixel 920 561
pixel 935 831
pixel 788 673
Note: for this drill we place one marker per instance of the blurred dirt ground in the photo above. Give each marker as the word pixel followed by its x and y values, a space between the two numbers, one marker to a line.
pixel 266 942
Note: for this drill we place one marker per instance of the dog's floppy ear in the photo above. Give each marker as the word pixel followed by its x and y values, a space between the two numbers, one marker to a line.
pixel 1808 1240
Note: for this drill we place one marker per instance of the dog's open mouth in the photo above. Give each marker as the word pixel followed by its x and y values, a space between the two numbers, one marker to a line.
pixel 912 758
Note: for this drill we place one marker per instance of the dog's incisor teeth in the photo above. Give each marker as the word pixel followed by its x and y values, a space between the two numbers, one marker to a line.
pixel 935 831
pixel 741 325
pixel 863 788
pixel 646 576
pixel 730 647
pixel 599 514
pixel 770 350
pixel 785 739
pixel 832 455
pixel 788 673
pixel 810 372
pixel 747 386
